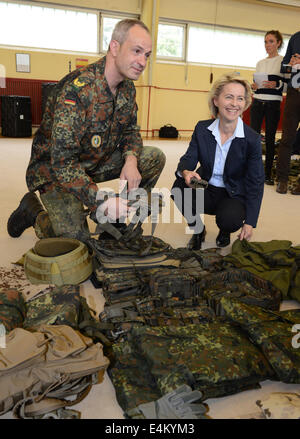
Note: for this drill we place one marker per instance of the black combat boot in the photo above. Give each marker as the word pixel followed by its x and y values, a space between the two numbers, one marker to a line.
pixel 195 242
pixel 223 239
pixel 25 215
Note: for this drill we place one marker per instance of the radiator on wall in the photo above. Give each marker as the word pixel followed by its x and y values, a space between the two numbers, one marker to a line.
pixel 34 89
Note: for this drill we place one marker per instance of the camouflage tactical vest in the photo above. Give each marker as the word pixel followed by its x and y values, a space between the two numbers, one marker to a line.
pixel 216 358
pixel 272 333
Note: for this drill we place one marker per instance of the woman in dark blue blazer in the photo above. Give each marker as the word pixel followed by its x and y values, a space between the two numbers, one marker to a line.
pixel 230 157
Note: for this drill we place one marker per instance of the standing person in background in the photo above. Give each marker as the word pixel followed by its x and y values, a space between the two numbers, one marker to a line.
pixel 268 96
pixel 291 115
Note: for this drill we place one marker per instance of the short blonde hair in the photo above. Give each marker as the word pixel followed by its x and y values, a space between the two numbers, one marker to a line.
pixel 218 86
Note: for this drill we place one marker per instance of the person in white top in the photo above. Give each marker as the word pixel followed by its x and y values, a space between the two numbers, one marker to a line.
pixel 268 96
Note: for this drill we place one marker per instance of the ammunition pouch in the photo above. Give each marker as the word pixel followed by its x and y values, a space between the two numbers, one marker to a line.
pixel 123 273
pixel 188 292
pixel 240 284
pixel 153 311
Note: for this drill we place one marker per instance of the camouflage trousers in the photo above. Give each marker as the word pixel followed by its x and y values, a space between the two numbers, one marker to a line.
pixel 65 215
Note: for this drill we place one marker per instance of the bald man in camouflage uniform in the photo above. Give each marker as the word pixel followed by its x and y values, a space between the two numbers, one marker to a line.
pixel 88 135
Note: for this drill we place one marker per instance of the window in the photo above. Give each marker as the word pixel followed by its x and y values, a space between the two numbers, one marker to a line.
pixel 51 27
pixel 48 27
pixel 230 47
pixel 170 41
pixel 208 44
pixel 108 24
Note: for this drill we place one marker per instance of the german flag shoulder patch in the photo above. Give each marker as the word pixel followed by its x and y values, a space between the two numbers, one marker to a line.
pixel 69 101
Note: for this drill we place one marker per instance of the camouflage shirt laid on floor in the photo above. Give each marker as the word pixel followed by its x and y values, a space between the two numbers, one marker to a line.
pixel 83 124
pixel 226 355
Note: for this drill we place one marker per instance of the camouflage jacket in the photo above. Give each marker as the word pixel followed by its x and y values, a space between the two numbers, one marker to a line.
pixel 83 124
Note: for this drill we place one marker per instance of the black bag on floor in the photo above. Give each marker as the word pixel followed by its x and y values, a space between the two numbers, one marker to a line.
pixel 168 132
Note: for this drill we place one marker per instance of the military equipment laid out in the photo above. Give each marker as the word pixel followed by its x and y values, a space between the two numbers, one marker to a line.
pixel 131 235
pixel 42 371
pixel 272 333
pixel 121 317
pixel 12 309
pixel 216 358
pixel 158 289
pixel 241 284
pixel 156 311
pixel 175 298
pixel 277 261
pixel 57 306
pixel 116 254
pixel 169 267
pixel 179 326
pixel 58 261
pixel 230 354
pixel 186 287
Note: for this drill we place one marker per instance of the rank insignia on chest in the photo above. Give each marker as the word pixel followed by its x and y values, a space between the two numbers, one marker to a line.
pixel 96 141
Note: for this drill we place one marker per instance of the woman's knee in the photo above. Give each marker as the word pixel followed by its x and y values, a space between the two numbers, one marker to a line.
pixel 230 216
